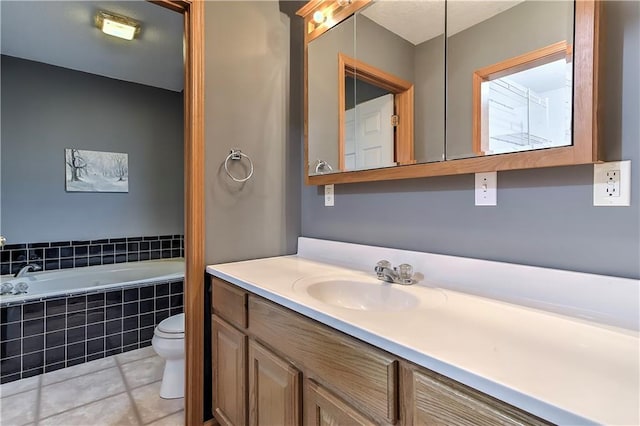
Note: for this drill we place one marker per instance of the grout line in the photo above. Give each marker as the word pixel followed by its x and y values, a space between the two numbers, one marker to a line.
pixel 164 417
pixel 79 406
pixel 126 386
pixel 132 401
pixel 79 375
pixel 21 392
pixel 121 363
pixel 38 399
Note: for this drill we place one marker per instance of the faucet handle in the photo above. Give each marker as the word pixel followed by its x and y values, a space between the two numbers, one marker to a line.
pixel 405 273
pixel 6 288
pixel 20 288
pixel 381 265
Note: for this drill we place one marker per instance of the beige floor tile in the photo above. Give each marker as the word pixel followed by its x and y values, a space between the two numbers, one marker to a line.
pixel 130 356
pixel 19 409
pixel 143 371
pixel 151 407
pixel 81 390
pixel 77 370
pixel 113 411
pixel 176 419
pixel 18 386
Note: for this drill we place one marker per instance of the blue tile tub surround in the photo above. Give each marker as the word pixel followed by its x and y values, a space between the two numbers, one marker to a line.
pixel 57 332
pixel 77 254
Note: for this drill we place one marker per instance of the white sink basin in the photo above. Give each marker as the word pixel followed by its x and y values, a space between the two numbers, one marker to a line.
pixel 362 295
pixel 356 291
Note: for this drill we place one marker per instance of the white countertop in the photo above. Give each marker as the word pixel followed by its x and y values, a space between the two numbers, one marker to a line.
pixel 564 369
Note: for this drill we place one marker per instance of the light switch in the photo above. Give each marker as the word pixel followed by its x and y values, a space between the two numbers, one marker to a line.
pixel 328 196
pixel 487 189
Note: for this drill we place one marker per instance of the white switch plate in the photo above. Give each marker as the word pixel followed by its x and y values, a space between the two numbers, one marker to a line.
pixel 328 196
pixel 487 189
pixel 612 183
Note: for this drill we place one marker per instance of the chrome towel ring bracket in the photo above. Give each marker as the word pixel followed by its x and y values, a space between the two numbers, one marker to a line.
pixel 237 155
pixel 322 166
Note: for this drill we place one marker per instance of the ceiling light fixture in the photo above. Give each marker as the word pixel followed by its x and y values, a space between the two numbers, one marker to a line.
pixel 117 25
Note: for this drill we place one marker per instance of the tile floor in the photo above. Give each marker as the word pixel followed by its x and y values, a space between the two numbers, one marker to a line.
pixel 119 390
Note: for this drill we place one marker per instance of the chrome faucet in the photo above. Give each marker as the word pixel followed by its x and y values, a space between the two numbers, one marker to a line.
pixel 29 267
pixel 403 274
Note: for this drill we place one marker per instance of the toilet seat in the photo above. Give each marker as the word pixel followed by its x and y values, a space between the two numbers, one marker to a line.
pixel 171 328
pixel 164 335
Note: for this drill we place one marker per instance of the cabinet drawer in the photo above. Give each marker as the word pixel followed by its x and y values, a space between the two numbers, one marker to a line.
pixel 431 399
pixel 359 373
pixel 229 302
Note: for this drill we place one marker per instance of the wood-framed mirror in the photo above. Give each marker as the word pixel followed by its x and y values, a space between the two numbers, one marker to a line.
pixel 572 51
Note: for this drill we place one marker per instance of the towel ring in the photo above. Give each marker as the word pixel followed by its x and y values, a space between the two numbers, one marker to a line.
pixel 322 167
pixel 236 154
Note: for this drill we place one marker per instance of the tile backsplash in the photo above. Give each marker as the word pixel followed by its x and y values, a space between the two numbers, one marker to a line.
pixel 75 254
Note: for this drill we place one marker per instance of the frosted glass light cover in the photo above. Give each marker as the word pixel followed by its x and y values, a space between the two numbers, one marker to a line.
pixel 117 29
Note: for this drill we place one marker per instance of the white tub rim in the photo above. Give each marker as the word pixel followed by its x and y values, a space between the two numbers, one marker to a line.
pixel 14 300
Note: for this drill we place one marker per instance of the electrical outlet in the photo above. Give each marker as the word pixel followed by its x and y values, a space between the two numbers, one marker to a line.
pixel 487 189
pixel 612 183
pixel 328 196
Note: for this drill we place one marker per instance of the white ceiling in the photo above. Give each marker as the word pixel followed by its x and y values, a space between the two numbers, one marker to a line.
pixel 543 78
pixel 420 20
pixel 62 33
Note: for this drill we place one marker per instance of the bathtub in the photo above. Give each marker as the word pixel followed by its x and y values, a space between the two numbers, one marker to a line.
pixel 92 278
pixel 72 316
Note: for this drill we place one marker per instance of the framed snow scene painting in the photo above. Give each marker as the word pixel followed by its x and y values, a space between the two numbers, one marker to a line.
pixel 96 171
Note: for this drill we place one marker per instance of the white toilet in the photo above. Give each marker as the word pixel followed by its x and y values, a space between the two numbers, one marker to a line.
pixel 168 342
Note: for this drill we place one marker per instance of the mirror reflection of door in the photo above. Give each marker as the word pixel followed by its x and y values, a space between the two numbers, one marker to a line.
pixel 369 134
pixel 372 146
pixel 376 117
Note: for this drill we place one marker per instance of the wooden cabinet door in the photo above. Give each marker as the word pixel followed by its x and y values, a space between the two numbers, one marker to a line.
pixel 229 349
pixel 274 389
pixel 359 373
pixel 325 409
pixel 430 399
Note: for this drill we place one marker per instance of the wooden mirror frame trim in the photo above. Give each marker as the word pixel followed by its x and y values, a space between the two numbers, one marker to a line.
pixel 193 12
pixel 402 100
pixel 585 148
pixel 535 58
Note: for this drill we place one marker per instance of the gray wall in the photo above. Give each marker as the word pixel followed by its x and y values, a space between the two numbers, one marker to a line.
pixel 357 91
pixel 247 106
pixel 323 90
pixel 521 29
pixel 383 49
pixel 429 100
pixel 544 217
pixel 46 109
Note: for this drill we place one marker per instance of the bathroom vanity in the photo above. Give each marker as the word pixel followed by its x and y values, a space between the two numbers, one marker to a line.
pixel 315 338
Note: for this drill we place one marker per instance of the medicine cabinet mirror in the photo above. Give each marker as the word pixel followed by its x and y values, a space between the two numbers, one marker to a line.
pixel 517 90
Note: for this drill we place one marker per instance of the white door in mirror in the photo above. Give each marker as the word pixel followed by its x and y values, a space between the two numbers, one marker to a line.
pixel 487 189
pixel 612 183
pixel 369 134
